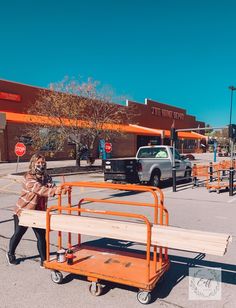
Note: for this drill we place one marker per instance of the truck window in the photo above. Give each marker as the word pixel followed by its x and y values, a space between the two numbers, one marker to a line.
pixel 162 154
pixel 152 153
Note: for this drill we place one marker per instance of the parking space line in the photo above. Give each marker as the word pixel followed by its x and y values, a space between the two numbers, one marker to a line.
pixel 7 185
pixel 9 191
pixel 221 217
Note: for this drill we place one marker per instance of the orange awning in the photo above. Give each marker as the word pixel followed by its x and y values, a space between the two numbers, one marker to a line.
pixel 34 119
pixel 200 136
pixel 186 135
pixel 129 129
pixel 141 130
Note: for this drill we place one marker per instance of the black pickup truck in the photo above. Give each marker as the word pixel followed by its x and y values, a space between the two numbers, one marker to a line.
pixel 151 165
pixel 121 170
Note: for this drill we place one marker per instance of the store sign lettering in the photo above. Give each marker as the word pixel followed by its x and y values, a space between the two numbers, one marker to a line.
pixel 10 97
pixel 167 113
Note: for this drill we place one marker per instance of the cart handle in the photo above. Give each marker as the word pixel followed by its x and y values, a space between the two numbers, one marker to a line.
pixel 142 188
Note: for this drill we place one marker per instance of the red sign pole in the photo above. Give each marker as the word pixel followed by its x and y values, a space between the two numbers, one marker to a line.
pixel 20 150
pixel 18 159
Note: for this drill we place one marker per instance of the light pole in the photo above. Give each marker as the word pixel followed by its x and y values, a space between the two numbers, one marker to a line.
pixel 215 148
pixel 231 171
pixel 232 89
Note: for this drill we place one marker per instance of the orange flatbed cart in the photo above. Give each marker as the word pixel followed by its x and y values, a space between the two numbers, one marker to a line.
pixel 99 264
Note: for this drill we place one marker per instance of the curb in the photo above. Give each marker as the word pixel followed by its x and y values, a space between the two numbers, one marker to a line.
pixel 74 173
pixel 19 176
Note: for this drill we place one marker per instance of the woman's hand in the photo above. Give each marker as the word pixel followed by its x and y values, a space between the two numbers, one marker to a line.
pixel 61 190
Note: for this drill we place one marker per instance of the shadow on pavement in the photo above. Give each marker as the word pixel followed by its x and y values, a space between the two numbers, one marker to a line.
pixel 7 220
pixel 125 193
pixel 179 269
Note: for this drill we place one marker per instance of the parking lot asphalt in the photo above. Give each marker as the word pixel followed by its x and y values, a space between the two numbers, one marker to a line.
pixel 193 208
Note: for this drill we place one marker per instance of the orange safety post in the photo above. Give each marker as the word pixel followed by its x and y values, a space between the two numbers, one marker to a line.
pixel 69 212
pixel 59 239
pixel 79 206
pixel 194 173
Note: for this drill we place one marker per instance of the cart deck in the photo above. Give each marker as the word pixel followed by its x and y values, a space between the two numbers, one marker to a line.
pixel 112 265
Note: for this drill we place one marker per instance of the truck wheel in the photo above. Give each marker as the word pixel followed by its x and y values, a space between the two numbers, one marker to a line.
pixel 155 179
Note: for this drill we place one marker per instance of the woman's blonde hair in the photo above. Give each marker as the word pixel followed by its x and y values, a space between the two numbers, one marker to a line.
pixel 33 160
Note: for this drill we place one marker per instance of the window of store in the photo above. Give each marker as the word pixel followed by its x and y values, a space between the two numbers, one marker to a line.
pixel 26 140
pixel 148 140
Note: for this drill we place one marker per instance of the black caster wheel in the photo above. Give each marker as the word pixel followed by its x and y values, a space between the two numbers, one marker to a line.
pixel 95 289
pixel 144 297
pixel 56 277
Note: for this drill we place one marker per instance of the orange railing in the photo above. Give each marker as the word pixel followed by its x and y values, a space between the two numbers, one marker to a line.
pixel 214 175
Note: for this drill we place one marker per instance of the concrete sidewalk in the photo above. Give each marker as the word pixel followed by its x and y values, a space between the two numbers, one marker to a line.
pixel 10 168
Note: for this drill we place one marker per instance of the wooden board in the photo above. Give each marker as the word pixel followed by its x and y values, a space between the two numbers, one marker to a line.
pixel 165 236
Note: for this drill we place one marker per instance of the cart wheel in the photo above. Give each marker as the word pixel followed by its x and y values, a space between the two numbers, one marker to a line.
pixel 95 289
pixel 57 277
pixel 144 297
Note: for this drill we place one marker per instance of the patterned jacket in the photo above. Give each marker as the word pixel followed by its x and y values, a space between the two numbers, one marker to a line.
pixel 35 192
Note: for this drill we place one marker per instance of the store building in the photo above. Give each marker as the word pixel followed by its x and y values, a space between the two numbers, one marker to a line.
pixel 153 123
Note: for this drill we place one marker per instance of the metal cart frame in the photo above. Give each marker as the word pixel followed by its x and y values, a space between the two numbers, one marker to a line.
pixel 142 271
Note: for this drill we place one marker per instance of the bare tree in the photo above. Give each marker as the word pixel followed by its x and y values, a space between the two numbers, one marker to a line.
pixel 79 112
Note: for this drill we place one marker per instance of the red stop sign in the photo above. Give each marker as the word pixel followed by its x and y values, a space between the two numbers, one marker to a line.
pixel 20 149
pixel 108 147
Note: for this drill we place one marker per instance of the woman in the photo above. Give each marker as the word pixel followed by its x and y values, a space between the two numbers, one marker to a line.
pixel 37 187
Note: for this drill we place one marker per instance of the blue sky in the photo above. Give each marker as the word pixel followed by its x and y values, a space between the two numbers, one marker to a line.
pixel 179 52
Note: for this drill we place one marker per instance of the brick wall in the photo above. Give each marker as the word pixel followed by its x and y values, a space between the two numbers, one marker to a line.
pixel 124 146
pixel 13 131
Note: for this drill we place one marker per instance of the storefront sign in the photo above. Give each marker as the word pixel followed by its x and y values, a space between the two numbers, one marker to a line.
pixel 167 113
pixel 10 97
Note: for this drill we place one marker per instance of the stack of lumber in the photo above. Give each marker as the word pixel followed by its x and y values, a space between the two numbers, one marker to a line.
pixel 165 236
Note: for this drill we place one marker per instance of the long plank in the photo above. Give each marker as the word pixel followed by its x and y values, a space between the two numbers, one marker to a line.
pixel 157 230
pixel 165 236
pixel 202 235
pixel 126 231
